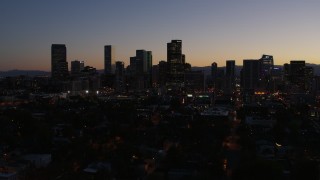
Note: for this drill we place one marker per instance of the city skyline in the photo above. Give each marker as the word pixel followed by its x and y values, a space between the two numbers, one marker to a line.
pixel 212 31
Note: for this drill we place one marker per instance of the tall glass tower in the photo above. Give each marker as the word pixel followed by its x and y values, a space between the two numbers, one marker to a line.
pixel 59 64
pixel 108 59
pixel 175 62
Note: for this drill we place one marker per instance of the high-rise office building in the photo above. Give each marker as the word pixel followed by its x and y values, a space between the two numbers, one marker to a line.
pixel 59 64
pixel 148 69
pixel 230 68
pixel 138 64
pixel 175 62
pixel 298 73
pixel 119 74
pixel 316 85
pixel 230 76
pixel 148 63
pixel 119 68
pixel 250 75
pixel 286 71
pixel 155 75
pixel 183 59
pixel 76 67
pixel 266 69
pixel 266 65
pixel 146 58
pixel 133 68
pixel 141 54
pixel 163 69
pixel 194 81
pixel 297 68
pixel 141 69
pixel 309 75
pixel 81 65
pixel 214 72
pixel 108 59
pixel 141 60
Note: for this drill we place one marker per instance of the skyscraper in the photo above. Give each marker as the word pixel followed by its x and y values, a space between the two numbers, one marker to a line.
pixel 230 76
pixel 298 73
pixel 266 69
pixel 119 74
pixel 230 68
pixel 108 59
pixel 175 62
pixel 214 69
pixel 266 65
pixel 146 58
pixel 163 69
pixel 183 58
pixel 286 71
pixel 148 63
pixel 141 69
pixel 297 68
pixel 76 67
pixel 214 73
pixel 59 64
pixel 250 75
pixel 148 69
pixel 141 58
pixel 133 67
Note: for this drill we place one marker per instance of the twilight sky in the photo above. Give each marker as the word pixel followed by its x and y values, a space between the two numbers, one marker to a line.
pixel 210 30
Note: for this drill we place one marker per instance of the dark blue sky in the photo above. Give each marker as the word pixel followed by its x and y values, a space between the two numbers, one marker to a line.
pixel 211 30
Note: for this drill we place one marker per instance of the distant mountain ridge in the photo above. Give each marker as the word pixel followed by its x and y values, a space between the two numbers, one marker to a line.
pixel 205 69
